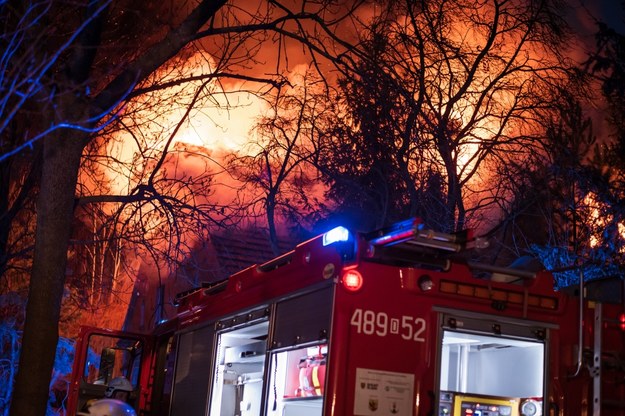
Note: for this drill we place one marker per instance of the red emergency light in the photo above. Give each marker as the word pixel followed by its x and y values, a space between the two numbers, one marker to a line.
pixel 621 320
pixel 352 280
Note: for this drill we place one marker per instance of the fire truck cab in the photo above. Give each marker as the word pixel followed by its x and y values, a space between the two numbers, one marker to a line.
pixel 393 322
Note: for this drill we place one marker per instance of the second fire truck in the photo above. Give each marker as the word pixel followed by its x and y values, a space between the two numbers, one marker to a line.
pixel 385 323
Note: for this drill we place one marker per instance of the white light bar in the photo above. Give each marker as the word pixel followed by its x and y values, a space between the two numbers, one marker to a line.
pixel 335 235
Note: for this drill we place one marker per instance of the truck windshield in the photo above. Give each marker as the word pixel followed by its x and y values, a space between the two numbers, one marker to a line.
pixel 110 368
pixel 110 357
pixel 488 375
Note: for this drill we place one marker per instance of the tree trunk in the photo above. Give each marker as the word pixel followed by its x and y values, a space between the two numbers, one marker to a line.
pixel 271 222
pixel 55 209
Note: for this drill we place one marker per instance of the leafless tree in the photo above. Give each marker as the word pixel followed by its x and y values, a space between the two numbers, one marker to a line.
pixel 454 88
pixel 580 183
pixel 76 66
pixel 279 182
pixel 567 208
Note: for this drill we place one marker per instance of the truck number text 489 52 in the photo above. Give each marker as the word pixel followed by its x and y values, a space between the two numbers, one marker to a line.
pixel 380 324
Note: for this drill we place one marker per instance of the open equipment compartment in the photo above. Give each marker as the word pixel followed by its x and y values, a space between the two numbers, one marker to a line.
pixel 240 364
pixel 297 381
pixel 491 375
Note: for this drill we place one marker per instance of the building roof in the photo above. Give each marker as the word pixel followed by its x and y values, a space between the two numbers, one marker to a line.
pixel 237 252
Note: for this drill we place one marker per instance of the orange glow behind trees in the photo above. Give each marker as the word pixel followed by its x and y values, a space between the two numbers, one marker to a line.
pixel 468 87
pixel 407 109
pixel 460 87
pixel 89 60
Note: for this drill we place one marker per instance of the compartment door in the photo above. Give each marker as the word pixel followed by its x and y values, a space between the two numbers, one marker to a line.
pixel 193 371
pixel 299 354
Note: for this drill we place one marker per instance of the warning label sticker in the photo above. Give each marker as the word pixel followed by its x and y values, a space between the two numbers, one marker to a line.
pixel 383 393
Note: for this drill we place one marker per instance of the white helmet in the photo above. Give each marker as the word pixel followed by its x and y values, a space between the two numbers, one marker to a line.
pixel 109 407
pixel 120 383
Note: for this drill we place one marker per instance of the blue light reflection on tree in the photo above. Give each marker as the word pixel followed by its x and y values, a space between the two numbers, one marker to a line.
pixel 9 354
pixel 567 265
pixel 24 83
pixel 9 358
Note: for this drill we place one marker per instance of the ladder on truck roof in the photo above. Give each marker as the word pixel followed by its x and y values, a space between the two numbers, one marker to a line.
pixel 412 233
pixel 410 243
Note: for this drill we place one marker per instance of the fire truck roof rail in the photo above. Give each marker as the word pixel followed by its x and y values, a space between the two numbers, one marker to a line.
pixel 276 263
pixel 214 287
pixel 184 294
pixel 208 287
pixel 503 272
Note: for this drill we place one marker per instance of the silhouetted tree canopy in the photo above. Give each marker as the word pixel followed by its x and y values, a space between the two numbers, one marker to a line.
pixel 73 74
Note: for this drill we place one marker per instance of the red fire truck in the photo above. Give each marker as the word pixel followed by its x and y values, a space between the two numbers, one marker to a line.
pixel 393 322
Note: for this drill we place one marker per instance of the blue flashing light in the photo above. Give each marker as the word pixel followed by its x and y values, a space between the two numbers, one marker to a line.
pixel 335 235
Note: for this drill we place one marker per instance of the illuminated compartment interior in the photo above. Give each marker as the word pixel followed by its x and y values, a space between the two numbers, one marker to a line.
pixel 238 383
pixel 483 375
pixel 297 381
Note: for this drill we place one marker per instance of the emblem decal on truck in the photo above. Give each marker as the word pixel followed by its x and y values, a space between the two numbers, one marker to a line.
pixel 379 392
